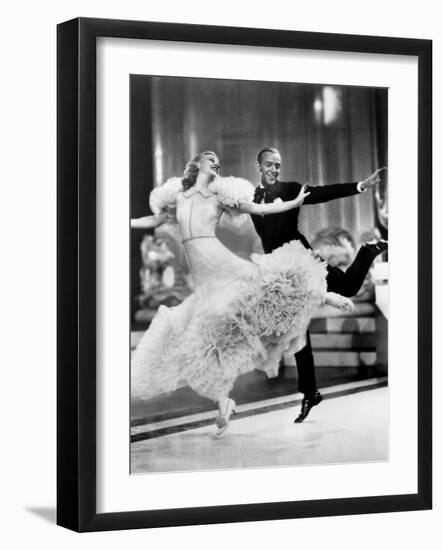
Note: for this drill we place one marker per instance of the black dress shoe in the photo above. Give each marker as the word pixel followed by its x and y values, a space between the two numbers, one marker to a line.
pixel 377 247
pixel 308 402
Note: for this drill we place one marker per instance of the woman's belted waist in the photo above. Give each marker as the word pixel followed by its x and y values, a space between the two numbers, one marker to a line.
pixel 198 237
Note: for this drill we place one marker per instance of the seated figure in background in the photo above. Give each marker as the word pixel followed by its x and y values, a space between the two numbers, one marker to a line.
pixel 337 246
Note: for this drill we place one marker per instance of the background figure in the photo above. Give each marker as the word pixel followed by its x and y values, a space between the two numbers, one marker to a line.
pixel 337 246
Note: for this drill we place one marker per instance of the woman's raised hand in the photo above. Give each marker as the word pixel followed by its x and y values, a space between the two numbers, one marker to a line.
pixel 300 198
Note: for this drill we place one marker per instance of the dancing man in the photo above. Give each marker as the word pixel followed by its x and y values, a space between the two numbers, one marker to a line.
pixel 277 229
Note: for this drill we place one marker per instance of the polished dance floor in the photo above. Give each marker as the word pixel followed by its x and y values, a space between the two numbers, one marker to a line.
pixel 350 428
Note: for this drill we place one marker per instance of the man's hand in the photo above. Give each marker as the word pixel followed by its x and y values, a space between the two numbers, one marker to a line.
pixel 372 180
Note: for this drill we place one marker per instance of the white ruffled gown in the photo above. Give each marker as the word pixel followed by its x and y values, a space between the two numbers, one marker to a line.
pixel 242 315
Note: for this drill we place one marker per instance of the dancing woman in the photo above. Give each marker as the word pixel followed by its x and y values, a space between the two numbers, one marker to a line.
pixel 242 315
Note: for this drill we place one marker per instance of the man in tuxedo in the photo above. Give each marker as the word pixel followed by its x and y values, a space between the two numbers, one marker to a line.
pixel 276 229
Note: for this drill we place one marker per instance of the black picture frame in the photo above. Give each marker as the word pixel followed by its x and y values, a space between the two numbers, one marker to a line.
pixel 76 278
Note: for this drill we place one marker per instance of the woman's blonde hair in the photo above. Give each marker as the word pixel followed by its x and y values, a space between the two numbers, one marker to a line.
pixel 192 168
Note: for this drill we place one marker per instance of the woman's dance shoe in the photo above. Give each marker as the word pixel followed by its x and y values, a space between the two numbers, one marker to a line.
pixel 222 420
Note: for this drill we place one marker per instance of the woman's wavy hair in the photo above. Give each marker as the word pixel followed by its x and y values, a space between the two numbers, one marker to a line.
pixel 192 168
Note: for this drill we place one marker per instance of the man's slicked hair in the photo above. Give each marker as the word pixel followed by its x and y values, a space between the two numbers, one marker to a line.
pixel 266 150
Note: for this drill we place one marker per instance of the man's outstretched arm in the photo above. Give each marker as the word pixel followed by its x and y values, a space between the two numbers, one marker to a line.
pixel 325 193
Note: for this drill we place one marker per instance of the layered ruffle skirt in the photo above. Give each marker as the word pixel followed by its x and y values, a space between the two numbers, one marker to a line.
pixel 239 319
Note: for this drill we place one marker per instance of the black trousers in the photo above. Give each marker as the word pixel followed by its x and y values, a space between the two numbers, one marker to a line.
pixel 347 283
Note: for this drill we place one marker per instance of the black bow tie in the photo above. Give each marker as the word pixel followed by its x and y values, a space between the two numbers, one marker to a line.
pixel 268 193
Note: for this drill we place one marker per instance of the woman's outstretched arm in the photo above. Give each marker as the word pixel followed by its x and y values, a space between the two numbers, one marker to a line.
pixel 149 222
pixel 274 207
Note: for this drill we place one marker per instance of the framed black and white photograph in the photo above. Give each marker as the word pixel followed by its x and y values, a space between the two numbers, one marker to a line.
pixel 244 274
pixel 319 133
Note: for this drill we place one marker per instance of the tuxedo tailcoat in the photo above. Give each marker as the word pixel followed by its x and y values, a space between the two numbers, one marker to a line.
pixel 276 229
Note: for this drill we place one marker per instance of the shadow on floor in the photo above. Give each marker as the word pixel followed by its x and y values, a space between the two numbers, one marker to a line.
pixel 48 514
